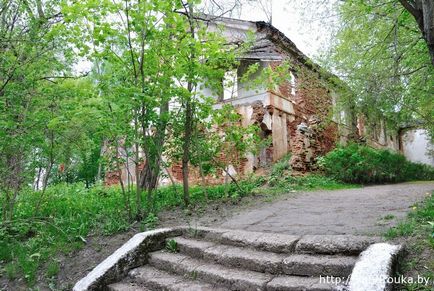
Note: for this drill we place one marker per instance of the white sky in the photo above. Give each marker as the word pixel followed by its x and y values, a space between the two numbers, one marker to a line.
pixel 305 28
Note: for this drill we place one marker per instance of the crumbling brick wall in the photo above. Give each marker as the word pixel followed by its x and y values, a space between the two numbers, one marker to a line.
pixel 313 132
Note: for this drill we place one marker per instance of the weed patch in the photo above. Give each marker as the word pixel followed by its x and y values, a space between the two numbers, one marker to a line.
pixel 66 217
pixel 172 246
pixel 418 231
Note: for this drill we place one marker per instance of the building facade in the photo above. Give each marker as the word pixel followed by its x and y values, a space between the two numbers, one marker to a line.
pixel 304 115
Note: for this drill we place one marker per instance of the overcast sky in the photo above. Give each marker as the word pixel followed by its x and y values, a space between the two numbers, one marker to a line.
pixel 307 29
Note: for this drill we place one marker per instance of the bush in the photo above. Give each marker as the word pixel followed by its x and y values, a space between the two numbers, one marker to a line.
pixel 281 180
pixel 361 164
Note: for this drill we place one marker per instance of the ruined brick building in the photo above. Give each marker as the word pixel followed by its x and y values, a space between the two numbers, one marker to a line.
pixel 305 115
pixel 410 139
pixel 302 116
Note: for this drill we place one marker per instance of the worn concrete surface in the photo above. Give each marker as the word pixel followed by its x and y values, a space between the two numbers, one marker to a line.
pixel 370 210
pixel 244 262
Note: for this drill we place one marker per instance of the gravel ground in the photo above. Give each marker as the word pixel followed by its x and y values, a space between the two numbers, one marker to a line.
pixel 368 210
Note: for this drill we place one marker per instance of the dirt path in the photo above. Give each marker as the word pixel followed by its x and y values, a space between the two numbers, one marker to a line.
pixel 368 210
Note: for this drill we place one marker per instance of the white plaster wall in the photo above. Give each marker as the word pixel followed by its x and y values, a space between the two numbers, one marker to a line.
pixel 263 97
pixel 233 30
pixel 417 147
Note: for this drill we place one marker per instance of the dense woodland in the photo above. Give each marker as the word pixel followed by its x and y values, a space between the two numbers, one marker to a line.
pixel 77 77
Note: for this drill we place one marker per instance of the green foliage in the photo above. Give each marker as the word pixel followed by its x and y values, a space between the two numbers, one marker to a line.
pixel 52 268
pixel 418 229
pixel 167 197
pixel 279 170
pixel 69 213
pixel 147 56
pixel 172 246
pixel 11 271
pixel 307 182
pixel 280 180
pixel 37 108
pixel 362 164
pixel 150 221
pixel 381 55
pixel 405 228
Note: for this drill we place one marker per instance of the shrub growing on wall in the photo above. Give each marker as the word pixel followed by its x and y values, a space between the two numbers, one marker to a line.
pixel 362 164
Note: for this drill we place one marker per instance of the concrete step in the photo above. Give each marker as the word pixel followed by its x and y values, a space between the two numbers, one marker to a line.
pixel 319 265
pixel 334 244
pixel 231 278
pixel 156 279
pixel 273 242
pixel 282 243
pixel 231 256
pixel 126 286
pixel 262 261
pixel 297 283
pixel 226 259
pixel 235 279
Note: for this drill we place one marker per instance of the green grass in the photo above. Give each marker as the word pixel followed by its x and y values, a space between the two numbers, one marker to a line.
pixel 280 180
pixel 172 246
pixel 71 212
pixel 418 230
pixel 67 216
pixel 420 219
pixel 389 217
pixel 53 269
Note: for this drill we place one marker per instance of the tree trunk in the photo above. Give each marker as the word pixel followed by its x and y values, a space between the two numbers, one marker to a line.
pixel 101 154
pixel 202 176
pixel 149 177
pixel 137 164
pixel 186 149
pixel 38 179
pixel 13 183
pixel 151 170
pixel 188 122
pixel 423 12
pixel 125 194
pixel 47 173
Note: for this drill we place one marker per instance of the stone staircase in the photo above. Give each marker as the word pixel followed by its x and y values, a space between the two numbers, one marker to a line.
pixel 210 259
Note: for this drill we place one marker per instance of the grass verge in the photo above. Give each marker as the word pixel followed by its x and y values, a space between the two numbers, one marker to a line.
pixel 417 231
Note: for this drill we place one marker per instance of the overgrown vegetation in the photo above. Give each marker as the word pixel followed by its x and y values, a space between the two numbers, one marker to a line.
pixel 139 108
pixel 70 213
pixel 386 57
pixel 280 180
pixel 365 165
pixel 136 109
pixel 418 231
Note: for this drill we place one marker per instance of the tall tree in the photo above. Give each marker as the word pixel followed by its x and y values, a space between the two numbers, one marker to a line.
pixel 32 36
pixel 379 51
pixel 423 13
pixel 207 57
pixel 150 58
